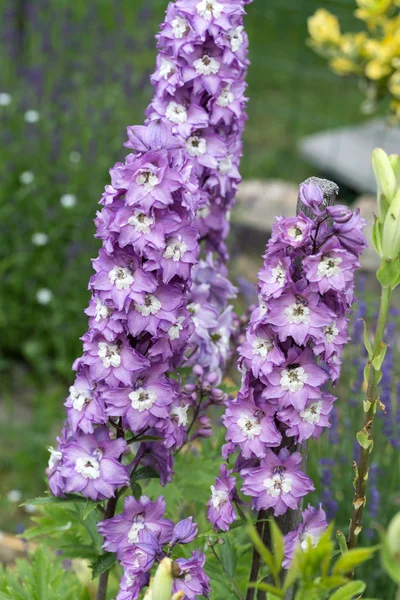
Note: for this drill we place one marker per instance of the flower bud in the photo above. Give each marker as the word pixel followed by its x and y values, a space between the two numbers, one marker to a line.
pixel 198 370
pixel 391 230
pixel 385 178
pixel 395 162
pixel 163 580
pixel 178 596
pixel 393 536
pixel 189 388
pixel 339 213
pixel 212 378
pixel 184 532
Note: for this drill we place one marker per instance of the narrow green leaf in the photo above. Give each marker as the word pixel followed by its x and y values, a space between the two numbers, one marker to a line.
pixel 88 508
pixel 102 564
pixel 52 500
pixel 136 490
pixel 278 547
pixel 266 587
pixel 144 473
pixel 228 557
pixel 378 360
pixel 348 591
pixel 367 343
pixel 351 559
pixel 342 541
pixel 292 574
pixel 261 548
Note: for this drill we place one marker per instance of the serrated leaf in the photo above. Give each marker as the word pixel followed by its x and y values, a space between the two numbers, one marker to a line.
pixel 351 559
pixel 41 501
pixel 278 547
pixel 102 564
pixel 349 590
pixel 89 507
pixel 144 473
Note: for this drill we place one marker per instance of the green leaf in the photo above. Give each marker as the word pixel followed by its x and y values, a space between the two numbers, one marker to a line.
pixel 388 273
pixel 261 548
pixel 349 590
pixel 228 557
pixel 330 582
pixel 102 564
pixel 389 562
pixel 144 473
pixel 278 549
pixel 342 541
pixel 136 490
pixel 351 559
pixel 53 500
pixel 367 343
pixel 266 587
pixel 364 441
pixel 292 575
pixel 89 507
pixel 378 360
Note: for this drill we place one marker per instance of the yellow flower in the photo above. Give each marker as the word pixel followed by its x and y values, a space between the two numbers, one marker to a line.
pixel 324 27
pixel 343 66
pixel 394 84
pixel 376 69
pixel 353 43
pixel 370 9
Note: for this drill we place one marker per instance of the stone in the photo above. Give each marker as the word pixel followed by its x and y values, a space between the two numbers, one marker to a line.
pixel 344 154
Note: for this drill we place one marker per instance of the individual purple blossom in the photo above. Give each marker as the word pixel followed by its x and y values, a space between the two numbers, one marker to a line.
pixel 259 352
pixel 332 268
pixel 192 580
pixel 90 464
pixel 85 404
pixel 278 483
pixel 310 421
pixel 313 525
pixel 131 585
pixel 221 513
pixel 312 196
pixel 184 532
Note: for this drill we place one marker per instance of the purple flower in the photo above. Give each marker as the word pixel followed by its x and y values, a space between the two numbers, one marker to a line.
pixel 122 531
pixel 132 584
pixel 221 513
pixel 294 231
pixel 310 421
pixel 192 579
pixel 184 532
pixel 278 483
pixel 260 352
pixel 85 405
pixel 331 269
pixel 90 464
pixel 312 196
pixel 307 534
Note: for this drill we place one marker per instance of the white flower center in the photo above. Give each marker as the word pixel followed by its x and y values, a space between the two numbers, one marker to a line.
pixel 174 331
pixel 142 399
pixel 249 426
pixel 109 354
pixel 89 468
pixel 80 397
pixel 121 277
pixel 141 222
pixel 296 233
pixel 166 68
pixel 181 413
pixel 278 274
pixel 151 306
pixel 207 65
pixel 176 113
pixel 55 457
pixel 312 413
pixel 262 346
pixel 331 332
pixel 137 526
pixel 236 37
pixel 148 179
pixel 262 305
pixel 175 250
pixel 180 27
pixel 210 9
pixel 102 311
pixel 196 146
pixel 297 313
pixel 226 97
pixel 218 498
pixel 202 213
pixel 329 267
pixel 225 165
pixel 277 485
pixel 293 379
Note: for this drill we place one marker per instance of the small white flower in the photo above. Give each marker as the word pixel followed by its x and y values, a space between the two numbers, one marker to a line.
pixel 312 413
pixel 68 200
pixel 249 426
pixel 5 99
pixel 207 65
pixel 181 413
pixel 141 222
pixel 142 399
pixel 196 146
pixel 236 38
pixel 278 484
pixel 80 397
pixel 151 306
pixel 31 116
pixel 26 177
pixel 174 331
pixel 331 332
pixel 14 496
pixel 121 277
pixel 297 313
pixel 262 346
pixel 176 113
pixel 180 27
pixel 209 9
pixel 166 68
pixel 226 97
pixel 293 380
pixel 262 305
pixel 44 296
pixel 218 498
pixel 148 179
pixel 329 267
pixel 89 468
pixel 225 165
pixel 40 239
pixel 278 274
pixel 109 354
pixel 75 157
pixel 55 457
pixel 175 250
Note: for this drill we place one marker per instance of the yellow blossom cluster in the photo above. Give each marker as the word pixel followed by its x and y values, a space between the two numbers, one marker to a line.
pixel 373 54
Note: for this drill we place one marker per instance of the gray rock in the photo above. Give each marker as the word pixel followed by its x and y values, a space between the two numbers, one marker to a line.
pixel 345 154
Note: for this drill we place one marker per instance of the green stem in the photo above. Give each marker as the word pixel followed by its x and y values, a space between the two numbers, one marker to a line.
pixel 362 469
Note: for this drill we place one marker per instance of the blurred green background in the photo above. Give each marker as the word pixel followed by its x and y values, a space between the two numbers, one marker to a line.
pixel 73 75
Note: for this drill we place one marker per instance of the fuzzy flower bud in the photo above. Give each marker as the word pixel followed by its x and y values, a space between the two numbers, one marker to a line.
pixel 385 178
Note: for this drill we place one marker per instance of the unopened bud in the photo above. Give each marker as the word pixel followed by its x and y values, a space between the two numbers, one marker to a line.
pixel 391 230
pixel 178 596
pixel 393 537
pixel 212 378
pixel 198 370
pixel 395 162
pixel 164 579
pixel 385 178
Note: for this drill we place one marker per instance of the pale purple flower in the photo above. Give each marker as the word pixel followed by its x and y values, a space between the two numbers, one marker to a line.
pixel 313 525
pixel 221 513
pixel 311 420
pixel 312 196
pixel 184 532
pixel 131 585
pixel 85 404
pixel 260 352
pixel 192 580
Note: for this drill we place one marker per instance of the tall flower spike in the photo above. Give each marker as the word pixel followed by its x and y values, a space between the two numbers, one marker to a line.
pixel 293 346
pixel 199 88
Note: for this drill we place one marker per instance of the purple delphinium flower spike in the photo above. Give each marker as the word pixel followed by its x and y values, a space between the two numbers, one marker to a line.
pixel 308 532
pixel 292 351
